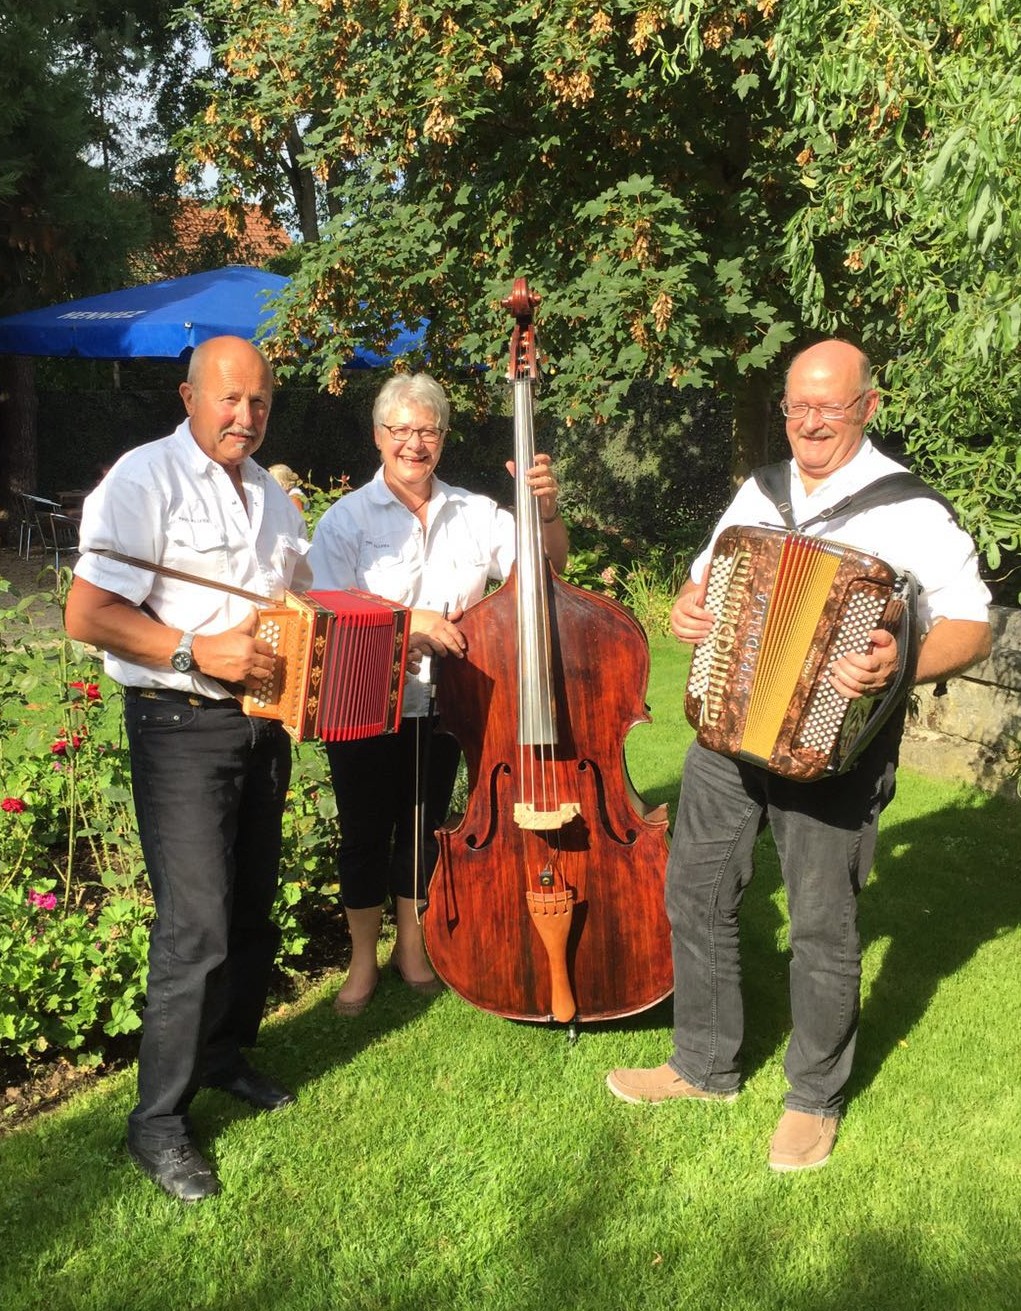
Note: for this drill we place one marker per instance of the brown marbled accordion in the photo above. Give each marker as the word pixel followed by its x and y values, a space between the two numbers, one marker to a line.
pixel 786 606
pixel 340 665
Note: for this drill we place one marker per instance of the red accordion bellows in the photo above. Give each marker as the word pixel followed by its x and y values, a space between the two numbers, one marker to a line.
pixel 340 665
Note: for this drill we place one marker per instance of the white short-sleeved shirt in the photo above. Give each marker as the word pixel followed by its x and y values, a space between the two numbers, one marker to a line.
pixel 915 536
pixel 169 503
pixel 369 540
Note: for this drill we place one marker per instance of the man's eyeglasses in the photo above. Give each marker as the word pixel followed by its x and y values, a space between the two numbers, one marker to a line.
pixel 401 433
pixel 800 409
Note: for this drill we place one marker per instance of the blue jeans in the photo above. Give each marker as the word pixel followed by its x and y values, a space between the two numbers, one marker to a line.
pixel 825 835
pixel 209 786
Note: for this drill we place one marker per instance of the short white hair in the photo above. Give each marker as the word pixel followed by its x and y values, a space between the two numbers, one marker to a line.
pixel 412 389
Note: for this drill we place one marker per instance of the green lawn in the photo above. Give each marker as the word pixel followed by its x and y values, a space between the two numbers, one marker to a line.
pixel 442 1158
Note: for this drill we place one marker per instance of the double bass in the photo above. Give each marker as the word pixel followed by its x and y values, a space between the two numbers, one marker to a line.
pixel 546 903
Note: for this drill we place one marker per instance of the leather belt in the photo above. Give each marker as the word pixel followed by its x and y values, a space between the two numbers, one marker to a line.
pixel 193 699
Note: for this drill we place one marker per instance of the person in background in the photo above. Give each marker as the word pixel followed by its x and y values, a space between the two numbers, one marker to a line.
pixel 291 484
pixel 825 831
pixel 209 782
pixel 410 538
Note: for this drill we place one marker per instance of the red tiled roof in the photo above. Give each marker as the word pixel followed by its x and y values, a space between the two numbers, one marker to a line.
pixel 203 240
pixel 260 238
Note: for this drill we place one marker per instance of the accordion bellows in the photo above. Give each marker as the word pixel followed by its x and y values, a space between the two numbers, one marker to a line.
pixel 786 606
pixel 340 665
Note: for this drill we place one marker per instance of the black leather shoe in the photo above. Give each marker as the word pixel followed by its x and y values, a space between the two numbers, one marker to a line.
pixel 254 1088
pixel 183 1171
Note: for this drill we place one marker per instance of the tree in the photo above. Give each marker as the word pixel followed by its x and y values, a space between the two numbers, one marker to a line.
pixel 89 95
pixel 692 186
pixel 466 147
pixel 60 227
pixel 906 122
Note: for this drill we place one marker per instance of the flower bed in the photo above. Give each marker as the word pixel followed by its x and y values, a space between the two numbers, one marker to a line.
pixel 74 902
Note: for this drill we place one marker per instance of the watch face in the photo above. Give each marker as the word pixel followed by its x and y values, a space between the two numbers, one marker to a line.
pixel 182 661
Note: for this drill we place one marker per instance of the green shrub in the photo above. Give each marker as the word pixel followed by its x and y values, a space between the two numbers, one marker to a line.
pixel 75 906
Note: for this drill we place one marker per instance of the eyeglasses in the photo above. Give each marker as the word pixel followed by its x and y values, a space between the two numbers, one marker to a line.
pixel 401 433
pixel 801 408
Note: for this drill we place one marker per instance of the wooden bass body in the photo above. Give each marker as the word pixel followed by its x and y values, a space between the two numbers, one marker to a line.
pixel 587 855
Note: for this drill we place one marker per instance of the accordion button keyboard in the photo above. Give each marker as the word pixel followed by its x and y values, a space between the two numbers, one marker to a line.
pixel 268 631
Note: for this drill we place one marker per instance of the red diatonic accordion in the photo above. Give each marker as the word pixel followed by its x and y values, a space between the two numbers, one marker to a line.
pixel 786 606
pixel 340 665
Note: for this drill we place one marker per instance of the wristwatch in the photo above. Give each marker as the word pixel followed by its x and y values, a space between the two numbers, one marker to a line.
pixel 182 659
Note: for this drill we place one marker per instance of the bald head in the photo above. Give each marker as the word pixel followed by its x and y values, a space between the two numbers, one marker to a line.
pixel 219 348
pixel 228 394
pixel 829 400
pixel 835 355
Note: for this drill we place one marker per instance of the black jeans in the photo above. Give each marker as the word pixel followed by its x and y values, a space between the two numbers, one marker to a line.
pixel 209 785
pixel 375 785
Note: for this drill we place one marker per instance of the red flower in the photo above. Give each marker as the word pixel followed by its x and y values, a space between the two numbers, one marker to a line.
pixel 91 690
pixel 59 748
pixel 13 805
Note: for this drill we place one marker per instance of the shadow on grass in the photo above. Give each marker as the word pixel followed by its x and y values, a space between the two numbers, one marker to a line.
pixel 63 1176
pixel 561 1218
pixel 944 884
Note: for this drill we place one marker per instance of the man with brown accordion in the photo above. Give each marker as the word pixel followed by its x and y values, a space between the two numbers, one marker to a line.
pixel 838 496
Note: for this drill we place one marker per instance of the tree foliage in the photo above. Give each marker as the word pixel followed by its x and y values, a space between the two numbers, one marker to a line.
pixel 906 121
pixel 468 146
pixel 693 187
pixel 55 208
pixel 90 93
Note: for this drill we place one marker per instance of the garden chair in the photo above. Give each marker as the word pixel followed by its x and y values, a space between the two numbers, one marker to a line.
pixel 32 508
pixel 59 533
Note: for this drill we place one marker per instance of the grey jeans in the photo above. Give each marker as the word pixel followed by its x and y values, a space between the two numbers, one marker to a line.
pixel 825 835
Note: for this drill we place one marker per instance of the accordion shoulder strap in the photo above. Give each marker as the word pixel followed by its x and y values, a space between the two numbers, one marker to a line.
pixel 774 481
pixel 180 575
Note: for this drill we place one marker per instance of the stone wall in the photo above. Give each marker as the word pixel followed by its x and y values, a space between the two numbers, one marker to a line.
pixel 972 732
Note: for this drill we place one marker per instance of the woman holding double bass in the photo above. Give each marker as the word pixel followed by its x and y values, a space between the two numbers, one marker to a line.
pixel 411 538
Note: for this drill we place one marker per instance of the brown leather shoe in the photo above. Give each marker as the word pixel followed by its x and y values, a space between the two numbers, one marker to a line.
pixel 802 1141
pixel 659 1085
pixel 431 987
pixel 353 1006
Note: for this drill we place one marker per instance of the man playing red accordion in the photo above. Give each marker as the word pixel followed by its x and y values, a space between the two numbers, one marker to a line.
pixel 209 782
pixel 825 830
